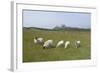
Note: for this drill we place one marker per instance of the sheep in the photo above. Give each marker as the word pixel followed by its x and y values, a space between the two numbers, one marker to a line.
pixel 77 43
pixel 48 44
pixel 67 44
pixel 38 40
pixel 60 43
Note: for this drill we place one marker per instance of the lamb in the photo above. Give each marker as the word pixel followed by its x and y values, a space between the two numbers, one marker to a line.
pixel 67 44
pixel 77 43
pixel 48 44
pixel 60 43
pixel 38 40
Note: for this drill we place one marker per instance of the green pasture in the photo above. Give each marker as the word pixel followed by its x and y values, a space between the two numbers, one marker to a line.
pixel 35 52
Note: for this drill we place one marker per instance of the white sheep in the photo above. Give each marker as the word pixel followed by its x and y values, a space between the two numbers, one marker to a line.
pixel 48 44
pixel 67 44
pixel 60 43
pixel 77 43
pixel 38 40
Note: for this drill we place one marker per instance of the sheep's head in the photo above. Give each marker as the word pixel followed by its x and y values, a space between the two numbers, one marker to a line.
pixel 44 47
pixel 35 41
pixel 36 37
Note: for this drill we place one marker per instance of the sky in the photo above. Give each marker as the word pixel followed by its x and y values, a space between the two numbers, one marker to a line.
pixel 50 19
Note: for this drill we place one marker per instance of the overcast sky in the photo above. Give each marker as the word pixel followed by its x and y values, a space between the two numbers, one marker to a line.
pixel 49 19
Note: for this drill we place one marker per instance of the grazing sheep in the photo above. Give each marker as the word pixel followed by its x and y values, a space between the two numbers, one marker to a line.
pixel 48 44
pixel 67 44
pixel 60 43
pixel 38 40
pixel 77 43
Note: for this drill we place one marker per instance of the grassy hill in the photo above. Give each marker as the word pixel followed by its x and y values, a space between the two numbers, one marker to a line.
pixel 59 29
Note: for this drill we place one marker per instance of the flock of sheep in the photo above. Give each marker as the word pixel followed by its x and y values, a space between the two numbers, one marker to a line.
pixel 50 43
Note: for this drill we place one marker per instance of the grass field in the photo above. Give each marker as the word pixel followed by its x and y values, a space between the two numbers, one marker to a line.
pixel 35 53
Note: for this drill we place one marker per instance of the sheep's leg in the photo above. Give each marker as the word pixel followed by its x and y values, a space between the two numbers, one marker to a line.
pixel 78 45
pixel 68 46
